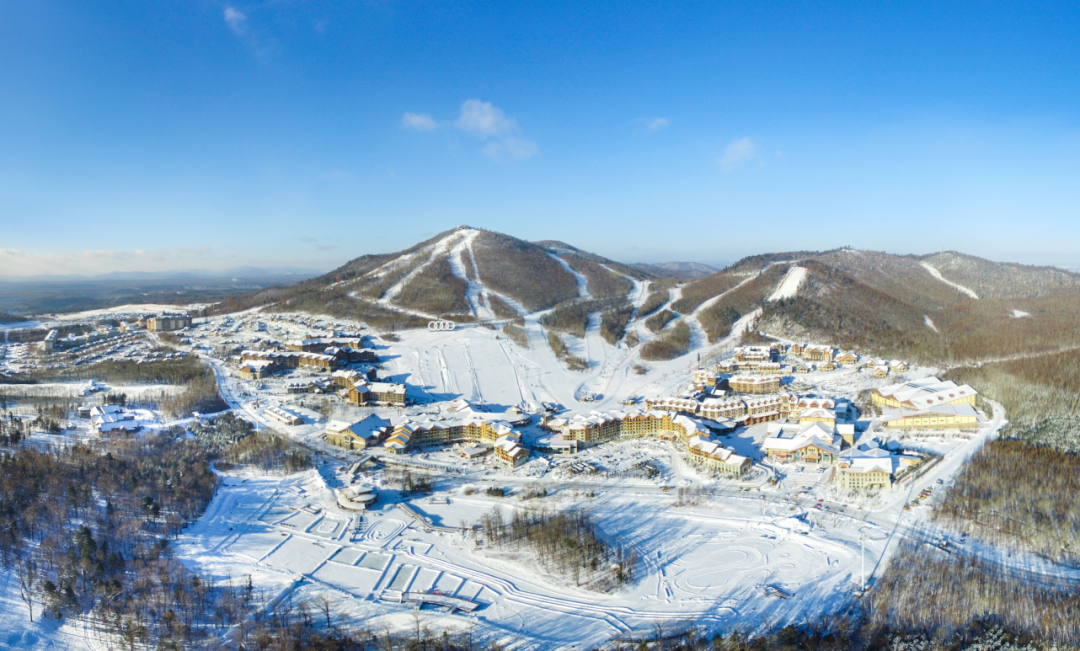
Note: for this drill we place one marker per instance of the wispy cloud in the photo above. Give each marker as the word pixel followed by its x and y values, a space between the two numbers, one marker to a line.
pixel 738 154
pixel 260 43
pixel 236 20
pixel 419 122
pixel 656 124
pixel 501 134
pixel 314 241
pixel 510 148
pixel 484 120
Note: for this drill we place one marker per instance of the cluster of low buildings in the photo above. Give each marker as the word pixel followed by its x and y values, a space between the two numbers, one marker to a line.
pixel 583 431
pixel 468 426
pixel 735 410
pixel 114 418
pixel 358 385
pixel 798 358
pixel 816 434
pixel 53 343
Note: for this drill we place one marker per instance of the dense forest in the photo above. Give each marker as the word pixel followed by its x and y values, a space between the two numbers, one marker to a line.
pixel 200 388
pixel 932 592
pixel 88 527
pixel 1019 495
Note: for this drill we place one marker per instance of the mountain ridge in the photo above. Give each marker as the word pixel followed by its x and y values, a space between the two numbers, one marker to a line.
pixel 875 302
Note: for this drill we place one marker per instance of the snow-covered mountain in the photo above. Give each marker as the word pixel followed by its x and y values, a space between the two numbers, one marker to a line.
pixel 875 302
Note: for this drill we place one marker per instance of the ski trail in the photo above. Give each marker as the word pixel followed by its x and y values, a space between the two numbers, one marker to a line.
pixel 473 289
pixel 582 281
pixel 789 287
pixel 929 323
pixel 638 293
pixel 960 288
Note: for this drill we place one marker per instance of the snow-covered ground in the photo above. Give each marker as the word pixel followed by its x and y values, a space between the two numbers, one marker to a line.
pixel 706 563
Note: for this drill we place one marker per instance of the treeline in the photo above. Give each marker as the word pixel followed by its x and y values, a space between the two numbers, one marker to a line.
pixel 568 542
pixel 501 308
pixel 516 334
pixel 200 391
pixel 654 301
pixel 558 347
pixel 613 322
pixel 1021 496
pixel 602 283
pixel 926 590
pixel 668 345
pixel 571 317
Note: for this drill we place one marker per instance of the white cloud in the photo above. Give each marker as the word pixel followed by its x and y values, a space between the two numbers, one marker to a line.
pixel 484 120
pixel 236 20
pixel 655 124
pixel 737 154
pixel 419 122
pixel 510 148
pixel 501 135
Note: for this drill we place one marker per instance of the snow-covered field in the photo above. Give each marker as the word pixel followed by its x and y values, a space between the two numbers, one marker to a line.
pixel 707 563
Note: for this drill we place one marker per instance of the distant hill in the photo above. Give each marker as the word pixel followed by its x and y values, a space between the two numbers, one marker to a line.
pixel 945 307
pixel 464 274
pixel 675 270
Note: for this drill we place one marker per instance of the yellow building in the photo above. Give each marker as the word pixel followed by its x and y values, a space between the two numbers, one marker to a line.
pixel 944 417
pixel 818 353
pixel 853 477
pixel 754 385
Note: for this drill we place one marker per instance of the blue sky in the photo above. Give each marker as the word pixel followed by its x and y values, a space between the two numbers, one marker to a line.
pixel 155 135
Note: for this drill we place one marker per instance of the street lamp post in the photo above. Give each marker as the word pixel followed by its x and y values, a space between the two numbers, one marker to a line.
pixel 862 574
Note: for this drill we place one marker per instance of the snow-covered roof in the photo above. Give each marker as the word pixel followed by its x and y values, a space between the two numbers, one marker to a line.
pixel 814 434
pixel 924 393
